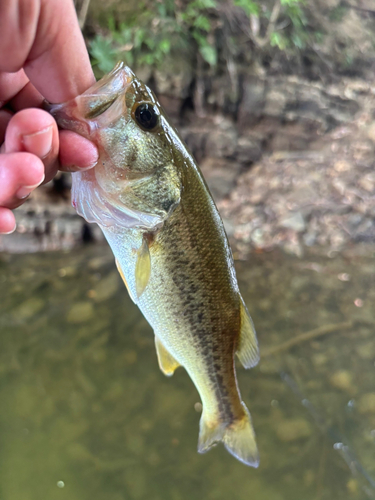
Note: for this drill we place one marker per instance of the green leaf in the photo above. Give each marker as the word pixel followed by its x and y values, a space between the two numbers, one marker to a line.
pixel 205 4
pixel 124 36
pixel 292 2
pixel 103 53
pixel 111 24
pixel 199 38
pixel 128 58
pixel 278 40
pixel 150 42
pixel 297 40
pixel 165 46
pixel 202 23
pixel 250 7
pixel 162 10
pixel 209 54
pixel 139 36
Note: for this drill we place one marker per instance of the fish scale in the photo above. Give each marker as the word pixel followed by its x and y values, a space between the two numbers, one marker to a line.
pixel 150 199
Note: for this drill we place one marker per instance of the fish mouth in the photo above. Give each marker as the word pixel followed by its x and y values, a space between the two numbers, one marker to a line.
pixel 84 113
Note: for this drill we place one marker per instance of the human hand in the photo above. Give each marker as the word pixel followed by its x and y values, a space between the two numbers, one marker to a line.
pixel 42 56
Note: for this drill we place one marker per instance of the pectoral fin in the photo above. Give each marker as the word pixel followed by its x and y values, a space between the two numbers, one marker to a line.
pixel 248 351
pixel 124 280
pixel 142 268
pixel 167 363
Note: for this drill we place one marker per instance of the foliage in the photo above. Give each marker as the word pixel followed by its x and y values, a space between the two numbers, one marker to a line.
pixel 156 30
pixel 159 28
pixel 285 23
pixel 298 33
pixel 250 7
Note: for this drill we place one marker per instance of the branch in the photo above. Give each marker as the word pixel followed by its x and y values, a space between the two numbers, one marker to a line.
pixel 254 26
pixel 83 13
pixel 360 9
pixel 304 337
pixel 273 18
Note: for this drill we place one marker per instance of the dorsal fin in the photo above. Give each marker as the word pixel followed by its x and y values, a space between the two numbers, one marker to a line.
pixel 248 351
pixel 167 363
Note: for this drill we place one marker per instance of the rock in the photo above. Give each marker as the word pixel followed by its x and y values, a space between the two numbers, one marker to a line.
pixel 257 237
pixel 291 137
pixel 174 77
pixel 320 359
pixel 342 166
pixel 371 132
pixel 248 150
pixel 367 182
pixel 328 4
pixel 353 487
pixel 309 239
pixel 294 221
pixel 220 175
pixel 107 287
pixel 366 403
pixel 366 351
pixel 275 103
pixel 80 312
pixel 229 227
pixel 221 142
pixel 172 106
pixel 343 380
pixel 195 139
pixel 251 105
pixel 293 430
pixel 29 308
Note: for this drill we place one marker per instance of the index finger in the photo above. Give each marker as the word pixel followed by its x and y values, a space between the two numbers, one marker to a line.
pixel 43 37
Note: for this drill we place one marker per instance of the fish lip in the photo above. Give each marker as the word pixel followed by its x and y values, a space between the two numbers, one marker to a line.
pixel 72 114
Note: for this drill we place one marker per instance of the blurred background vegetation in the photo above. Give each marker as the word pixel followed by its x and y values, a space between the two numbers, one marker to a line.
pixel 274 98
pixel 280 35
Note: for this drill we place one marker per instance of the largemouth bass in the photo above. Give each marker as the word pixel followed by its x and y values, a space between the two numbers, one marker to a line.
pixel 149 198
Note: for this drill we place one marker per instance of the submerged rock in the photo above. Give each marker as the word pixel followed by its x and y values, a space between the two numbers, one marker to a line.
pixel 294 221
pixel 366 403
pixel 343 380
pixel 293 430
pixel 30 308
pixel 80 312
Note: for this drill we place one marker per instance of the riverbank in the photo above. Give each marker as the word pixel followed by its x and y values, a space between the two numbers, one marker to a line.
pixel 294 173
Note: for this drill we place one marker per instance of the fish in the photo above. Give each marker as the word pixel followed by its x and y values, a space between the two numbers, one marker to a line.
pixel 153 205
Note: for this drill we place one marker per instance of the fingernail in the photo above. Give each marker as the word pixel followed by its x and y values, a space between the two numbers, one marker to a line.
pixel 11 231
pixel 39 143
pixel 24 191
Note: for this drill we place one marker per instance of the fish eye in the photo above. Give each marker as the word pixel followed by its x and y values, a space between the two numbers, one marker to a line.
pixel 146 115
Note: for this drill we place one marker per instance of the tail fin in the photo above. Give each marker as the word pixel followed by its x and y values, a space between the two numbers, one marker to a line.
pixel 238 437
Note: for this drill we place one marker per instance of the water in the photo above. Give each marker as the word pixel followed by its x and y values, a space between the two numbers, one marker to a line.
pixel 86 413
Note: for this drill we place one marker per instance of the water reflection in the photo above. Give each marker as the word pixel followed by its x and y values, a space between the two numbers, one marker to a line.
pixel 86 413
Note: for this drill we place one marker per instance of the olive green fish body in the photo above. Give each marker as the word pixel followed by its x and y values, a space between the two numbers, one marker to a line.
pixel 171 250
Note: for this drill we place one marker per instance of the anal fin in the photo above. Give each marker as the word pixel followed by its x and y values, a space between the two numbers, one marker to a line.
pixel 248 350
pixel 124 280
pixel 167 363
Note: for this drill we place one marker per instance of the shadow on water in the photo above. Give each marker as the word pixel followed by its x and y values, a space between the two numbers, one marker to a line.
pixel 86 414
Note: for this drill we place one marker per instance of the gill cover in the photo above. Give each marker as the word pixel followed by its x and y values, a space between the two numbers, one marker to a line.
pixel 127 188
